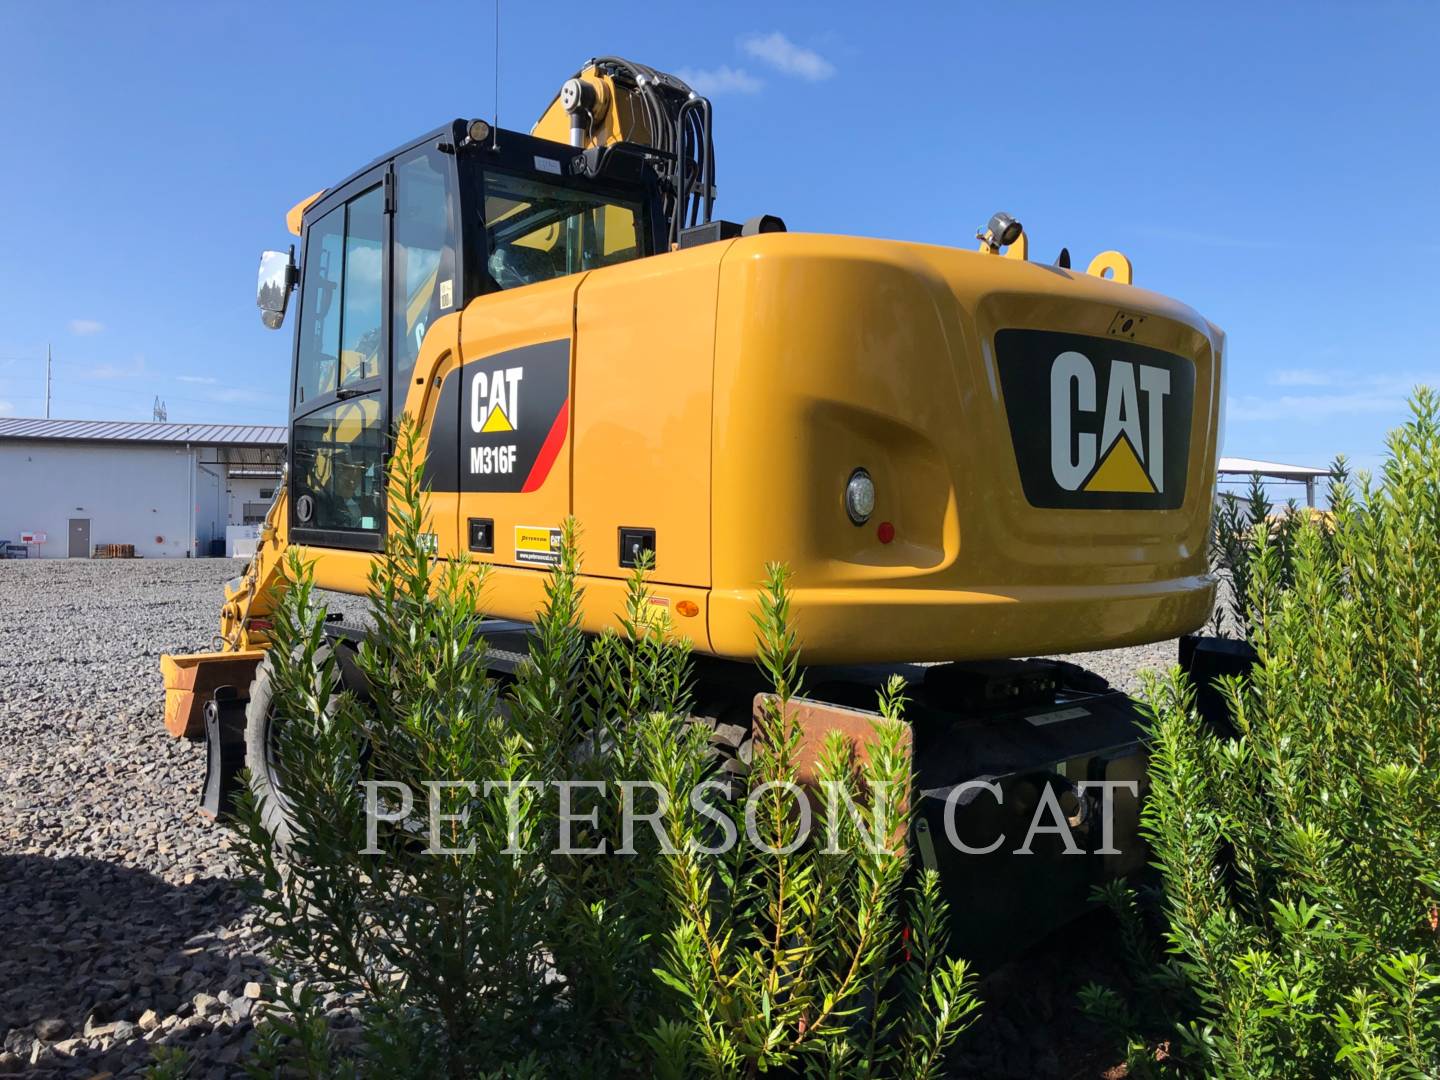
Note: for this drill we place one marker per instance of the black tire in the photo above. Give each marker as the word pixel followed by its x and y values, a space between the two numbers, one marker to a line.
pixel 266 782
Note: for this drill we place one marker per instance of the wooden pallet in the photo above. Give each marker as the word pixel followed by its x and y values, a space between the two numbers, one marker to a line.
pixel 114 551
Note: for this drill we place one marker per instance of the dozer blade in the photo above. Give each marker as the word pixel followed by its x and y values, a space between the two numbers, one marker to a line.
pixel 191 679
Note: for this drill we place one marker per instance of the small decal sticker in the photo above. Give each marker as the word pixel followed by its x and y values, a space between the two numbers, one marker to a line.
pixel 1041 719
pixel 447 293
pixel 537 545
pixel 657 612
pixel 550 165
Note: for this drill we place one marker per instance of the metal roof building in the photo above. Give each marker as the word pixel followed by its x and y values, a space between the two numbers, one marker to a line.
pixel 143 431
pixel 1237 469
pixel 168 490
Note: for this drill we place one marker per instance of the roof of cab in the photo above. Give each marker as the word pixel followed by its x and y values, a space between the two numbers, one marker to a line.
pixel 295 218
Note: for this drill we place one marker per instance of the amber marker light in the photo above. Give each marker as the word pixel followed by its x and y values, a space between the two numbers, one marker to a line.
pixel 688 608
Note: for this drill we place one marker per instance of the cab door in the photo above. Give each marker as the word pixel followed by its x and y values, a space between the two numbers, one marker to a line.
pixel 379 281
pixel 514 422
pixel 425 303
pixel 338 400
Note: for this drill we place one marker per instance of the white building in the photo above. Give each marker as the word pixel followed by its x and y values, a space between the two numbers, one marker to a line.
pixel 1238 470
pixel 168 489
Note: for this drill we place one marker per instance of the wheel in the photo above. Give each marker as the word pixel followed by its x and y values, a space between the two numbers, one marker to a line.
pixel 267 779
pixel 266 782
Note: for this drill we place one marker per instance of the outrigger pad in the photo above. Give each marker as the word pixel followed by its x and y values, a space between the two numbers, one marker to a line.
pixel 1206 659
pixel 224 751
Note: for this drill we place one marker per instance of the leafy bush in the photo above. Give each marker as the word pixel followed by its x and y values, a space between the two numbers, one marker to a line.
pixel 1300 860
pixel 788 954
pixel 447 949
pixel 482 944
pixel 1234 539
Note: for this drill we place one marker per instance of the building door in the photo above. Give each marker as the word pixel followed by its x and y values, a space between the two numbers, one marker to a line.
pixel 79 538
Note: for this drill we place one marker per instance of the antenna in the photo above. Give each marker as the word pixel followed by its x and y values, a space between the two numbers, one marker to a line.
pixel 159 413
pixel 495 127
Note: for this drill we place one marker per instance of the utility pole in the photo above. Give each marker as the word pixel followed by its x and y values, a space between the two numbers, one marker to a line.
pixel 47 382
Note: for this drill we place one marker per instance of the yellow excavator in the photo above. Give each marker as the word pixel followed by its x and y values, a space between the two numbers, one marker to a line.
pixel 964 456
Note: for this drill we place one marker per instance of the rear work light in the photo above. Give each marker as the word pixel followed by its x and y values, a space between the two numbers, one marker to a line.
pixel 859 497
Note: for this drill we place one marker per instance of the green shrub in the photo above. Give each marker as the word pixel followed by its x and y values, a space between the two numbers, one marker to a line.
pixel 447 949
pixel 790 956
pixel 1300 860
pixel 503 955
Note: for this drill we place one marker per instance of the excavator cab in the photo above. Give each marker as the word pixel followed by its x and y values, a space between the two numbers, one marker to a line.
pixel 463 211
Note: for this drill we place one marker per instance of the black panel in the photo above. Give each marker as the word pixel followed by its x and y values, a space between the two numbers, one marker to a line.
pixel 1061 446
pixel 709 233
pixel 442 453
pixel 633 542
pixel 337 538
pixel 1206 659
pixel 482 534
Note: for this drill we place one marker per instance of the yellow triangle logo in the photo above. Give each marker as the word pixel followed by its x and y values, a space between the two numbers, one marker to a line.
pixel 497 421
pixel 1121 471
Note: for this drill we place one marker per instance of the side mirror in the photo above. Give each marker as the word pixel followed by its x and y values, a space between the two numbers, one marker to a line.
pixel 278 274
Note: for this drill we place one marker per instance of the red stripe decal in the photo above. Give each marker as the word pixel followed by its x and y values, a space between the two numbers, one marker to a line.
pixel 550 449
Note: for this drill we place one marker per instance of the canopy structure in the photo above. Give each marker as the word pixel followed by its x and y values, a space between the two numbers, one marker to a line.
pixel 1237 467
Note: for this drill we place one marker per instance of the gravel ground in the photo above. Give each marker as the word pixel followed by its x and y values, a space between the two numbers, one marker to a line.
pixel 121 924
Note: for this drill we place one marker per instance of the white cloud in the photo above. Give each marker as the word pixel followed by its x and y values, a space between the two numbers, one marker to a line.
pixel 362 266
pixel 1302 408
pixel 1331 394
pixel 785 56
pixel 1345 382
pixel 206 379
pixel 7 408
pixel 712 82
pixel 86 327
pixel 1301 377
pixel 235 395
pixel 1206 238
pixel 137 370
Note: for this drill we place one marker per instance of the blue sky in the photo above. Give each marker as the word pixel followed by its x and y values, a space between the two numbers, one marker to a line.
pixel 1275 171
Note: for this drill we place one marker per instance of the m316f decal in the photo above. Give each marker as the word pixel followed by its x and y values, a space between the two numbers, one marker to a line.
pixel 512 414
pixel 1096 423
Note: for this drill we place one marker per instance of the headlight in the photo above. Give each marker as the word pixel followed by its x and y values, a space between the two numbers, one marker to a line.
pixel 860 497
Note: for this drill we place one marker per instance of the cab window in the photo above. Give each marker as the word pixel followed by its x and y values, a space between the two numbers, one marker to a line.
pixel 339 463
pixel 537 230
pixel 342 306
pixel 425 285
